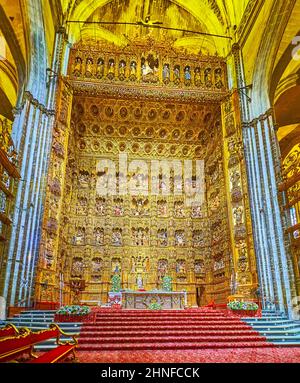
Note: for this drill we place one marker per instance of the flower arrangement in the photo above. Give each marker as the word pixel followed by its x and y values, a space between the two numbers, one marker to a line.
pixel 116 283
pixel 167 283
pixel 155 306
pixel 245 306
pixel 74 310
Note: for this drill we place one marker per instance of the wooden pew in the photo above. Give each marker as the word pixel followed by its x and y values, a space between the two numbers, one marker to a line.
pixel 8 330
pixel 13 347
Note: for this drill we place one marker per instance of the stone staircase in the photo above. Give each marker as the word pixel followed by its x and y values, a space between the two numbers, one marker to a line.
pixel 37 320
pixel 277 328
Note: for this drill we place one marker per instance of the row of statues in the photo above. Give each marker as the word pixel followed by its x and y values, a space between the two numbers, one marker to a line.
pixel 137 265
pixel 139 207
pixel 140 237
pixel 149 71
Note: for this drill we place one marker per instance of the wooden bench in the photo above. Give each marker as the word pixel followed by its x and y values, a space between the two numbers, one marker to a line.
pixel 8 330
pixel 13 347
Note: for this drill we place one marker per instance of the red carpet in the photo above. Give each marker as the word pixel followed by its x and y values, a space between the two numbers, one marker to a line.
pixel 235 355
pixel 140 330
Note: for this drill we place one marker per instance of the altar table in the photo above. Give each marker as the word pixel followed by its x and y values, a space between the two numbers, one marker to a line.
pixel 143 299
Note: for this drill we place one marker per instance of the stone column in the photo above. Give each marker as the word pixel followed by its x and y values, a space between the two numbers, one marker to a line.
pixel 262 156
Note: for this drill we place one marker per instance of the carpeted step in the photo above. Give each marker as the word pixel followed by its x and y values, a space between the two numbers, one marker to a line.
pixel 164 317
pixel 148 330
pixel 156 314
pixel 92 328
pixel 171 339
pixel 170 346
pixel 108 334
pixel 167 320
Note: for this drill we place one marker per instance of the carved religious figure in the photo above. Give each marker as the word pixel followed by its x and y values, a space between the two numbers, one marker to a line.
pixel 89 67
pixel 235 179
pixel 198 267
pixel 100 205
pixel 149 69
pixel 162 268
pixel 162 236
pixel 162 208
pixel 197 77
pixel 140 236
pixel 238 215
pixel 117 237
pixel 100 68
pixel 180 267
pixel 178 209
pixel 96 266
pixel 132 75
pixel 84 178
pixel 77 66
pixel 176 74
pixel 196 211
pixel 179 238
pixel 166 73
pixel 116 266
pixel 146 69
pixel 198 239
pixel 122 66
pixel 77 268
pixel 219 264
pixel 139 263
pixel 139 206
pixel 111 69
pixel 118 208
pixel 139 282
pixel 82 205
pixel 132 265
pixel 218 78
pixel 207 77
pixel 187 75
pixel 79 237
pixel 99 236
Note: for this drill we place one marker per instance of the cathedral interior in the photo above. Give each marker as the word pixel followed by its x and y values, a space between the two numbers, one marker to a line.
pixel 98 92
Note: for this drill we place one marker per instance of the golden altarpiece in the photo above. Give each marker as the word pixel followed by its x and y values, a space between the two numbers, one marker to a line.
pixel 150 102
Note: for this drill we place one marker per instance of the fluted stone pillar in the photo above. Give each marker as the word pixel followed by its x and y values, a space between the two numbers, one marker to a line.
pixel 262 156
pixel 32 135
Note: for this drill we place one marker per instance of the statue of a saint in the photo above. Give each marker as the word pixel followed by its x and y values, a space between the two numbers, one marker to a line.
pixel 166 72
pixel 146 69
pixel 89 67
pixel 77 66
pixel 100 68
pixel 139 282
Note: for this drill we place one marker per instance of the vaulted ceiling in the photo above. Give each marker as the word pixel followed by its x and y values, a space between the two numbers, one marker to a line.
pixel 216 17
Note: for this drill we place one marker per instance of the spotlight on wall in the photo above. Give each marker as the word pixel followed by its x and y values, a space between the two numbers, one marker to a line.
pixel 50 75
pixel 244 91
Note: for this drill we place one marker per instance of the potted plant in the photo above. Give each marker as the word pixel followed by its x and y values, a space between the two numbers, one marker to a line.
pixel 167 283
pixel 72 313
pixel 243 308
pixel 155 306
pixel 115 294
